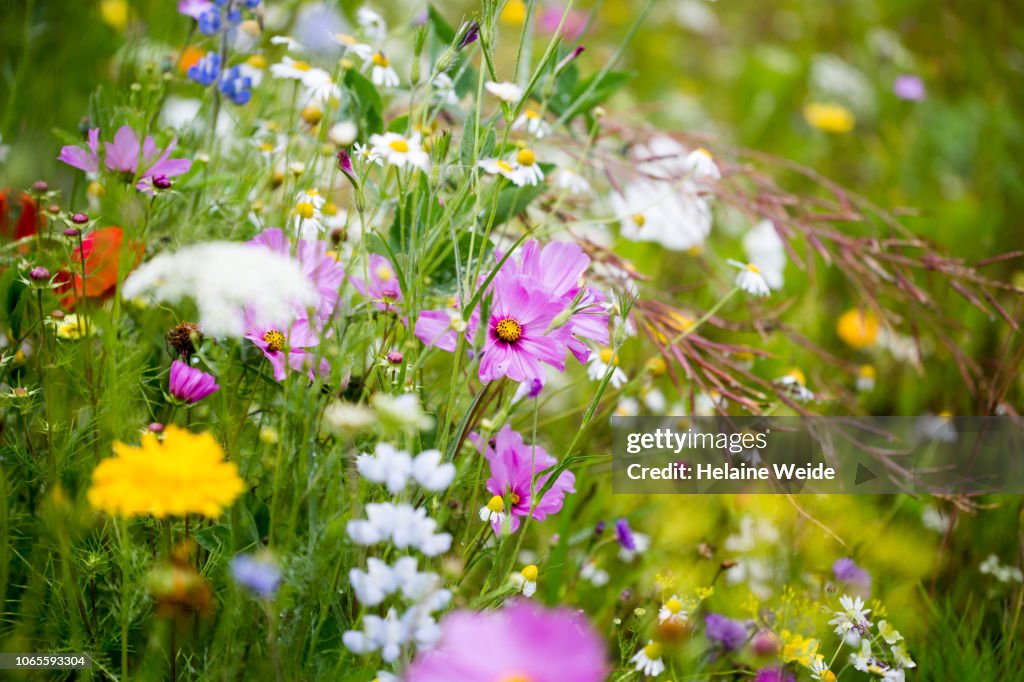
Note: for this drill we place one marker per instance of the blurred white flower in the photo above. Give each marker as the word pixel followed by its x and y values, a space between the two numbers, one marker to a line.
pixel 401 151
pixel 766 251
pixel 506 92
pixel 403 411
pixel 1002 573
pixel 343 133
pixel 533 122
pixel 351 44
pixel 750 279
pixel 648 660
pixel 403 525
pixel 571 181
pixel 225 279
pixel 381 72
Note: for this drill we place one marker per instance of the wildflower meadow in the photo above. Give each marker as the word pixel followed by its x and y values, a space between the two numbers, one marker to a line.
pixel 320 318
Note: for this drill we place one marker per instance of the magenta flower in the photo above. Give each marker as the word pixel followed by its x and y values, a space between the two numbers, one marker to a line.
pixel 326 273
pixel 189 384
pixel 774 675
pixel 194 8
pixel 573 26
pixel 514 466
pixel 558 268
pixel 847 571
pixel 730 634
pixel 383 288
pixel 286 346
pixel 909 87
pixel 519 334
pixel 439 328
pixel 520 641
pixel 124 156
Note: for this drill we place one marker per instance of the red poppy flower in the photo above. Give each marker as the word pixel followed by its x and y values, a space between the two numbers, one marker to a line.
pixel 26 224
pixel 101 251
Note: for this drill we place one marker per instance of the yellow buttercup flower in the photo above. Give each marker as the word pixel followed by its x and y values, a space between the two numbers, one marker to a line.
pixel 114 13
pixel 514 12
pixel 858 329
pixel 832 118
pixel 184 473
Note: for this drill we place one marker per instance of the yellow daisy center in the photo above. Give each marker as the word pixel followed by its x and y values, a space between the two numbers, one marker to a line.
pixel 525 157
pixel 384 273
pixel 674 605
pixel 652 651
pixel 305 210
pixel 301 66
pixel 400 146
pixel 509 331
pixel 797 375
pixel 513 498
pixel 639 220
pixel 345 38
pixel 504 166
pixel 530 113
pixel 496 504
pixel 753 268
pixel 608 356
pixel 274 340
pixel 380 60
pixel 530 573
pixel 257 61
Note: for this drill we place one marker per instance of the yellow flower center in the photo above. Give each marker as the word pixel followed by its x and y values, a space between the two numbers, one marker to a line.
pixel 829 676
pixel 867 371
pixel 674 605
pixel 858 329
pixel 639 220
pixel 301 66
pixel 652 651
pixel 797 375
pixel 257 61
pixel 330 208
pixel 345 38
pixel 509 331
pixel 608 356
pixel 274 340
pixel 380 60
pixel 305 210
pixel 496 504
pixel 525 157
pixel 312 115
pixel 753 268
pixel 504 166
pixel 530 113
pixel 384 273
pixel 513 498
pixel 400 146
pixel 530 573
pixel 705 152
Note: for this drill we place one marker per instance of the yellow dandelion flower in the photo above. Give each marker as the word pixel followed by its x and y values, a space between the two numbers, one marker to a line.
pixel 185 473
pixel 831 118
pixel 858 329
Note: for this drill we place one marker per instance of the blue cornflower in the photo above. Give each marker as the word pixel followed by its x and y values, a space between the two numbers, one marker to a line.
pixel 209 22
pixel 251 4
pixel 260 574
pixel 236 86
pixel 206 70
pixel 234 16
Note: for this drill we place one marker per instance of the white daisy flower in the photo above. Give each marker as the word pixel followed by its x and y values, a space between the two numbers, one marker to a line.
pixel 533 122
pixel 290 43
pixel 343 133
pixel 795 384
pixel 750 279
pixel 866 375
pixel 382 74
pixel 598 365
pixel 648 659
pixel 597 576
pixel 627 407
pixel 307 218
pixel 819 669
pixel 445 88
pixel 527 170
pixel 654 400
pixel 493 511
pixel 510 93
pixel 351 44
pixel 571 181
pixel 498 167
pixel 672 611
pixel 401 151
pixel 675 216
pixel 225 279
pixel 319 84
pixel 292 69
pixel 526 580
pixel 764 248
pixel 367 154
pixel 372 23
pixel 700 164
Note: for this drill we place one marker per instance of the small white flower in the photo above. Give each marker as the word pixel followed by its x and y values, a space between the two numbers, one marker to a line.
pixel 290 43
pixel 819 669
pixel 571 181
pixel 672 215
pixel 401 151
pixel 853 617
pixel 642 542
pixel 367 154
pixel 597 576
pixel 765 250
pixel 345 418
pixel 866 375
pixel 648 660
pixel 527 170
pixel 750 279
pixel 672 611
pixel 509 93
pixel 351 44
pixel 526 580
pixel 318 83
pixel 863 660
pixel 403 411
pixel 430 473
pixel 627 407
pixel 700 164
pixel 445 88
pixel 387 465
pixel 382 73
pixel 493 511
pixel 902 658
pixel 387 635
pixel 373 585
pixel 498 167
pixel 795 384
pixel 1002 573
pixel 343 133
pixel 372 23
pixel 598 365
pixel 654 400
pixel 402 524
pixel 307 220
pixel 533 122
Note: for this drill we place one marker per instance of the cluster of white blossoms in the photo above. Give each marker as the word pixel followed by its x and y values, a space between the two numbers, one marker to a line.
pixel 405 527
pixel 226 279
pixel 853 625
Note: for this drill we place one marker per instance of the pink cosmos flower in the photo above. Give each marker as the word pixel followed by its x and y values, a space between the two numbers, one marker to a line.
pixel 190 384
pixel 286 346
pixel 558 268
pixel 383 289
pixel 324 272
pixel 520 641
pixel 438 328
pixel 572 28
pixel 123 155
pixel 513 468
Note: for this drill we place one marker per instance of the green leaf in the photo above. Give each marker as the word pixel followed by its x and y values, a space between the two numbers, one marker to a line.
pixel 399 125
pixel 444 31
pixel 512 201
pixel 371 106
pixel 214 539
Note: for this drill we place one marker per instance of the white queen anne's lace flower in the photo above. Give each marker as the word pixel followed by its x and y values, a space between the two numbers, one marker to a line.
pixel 225 279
